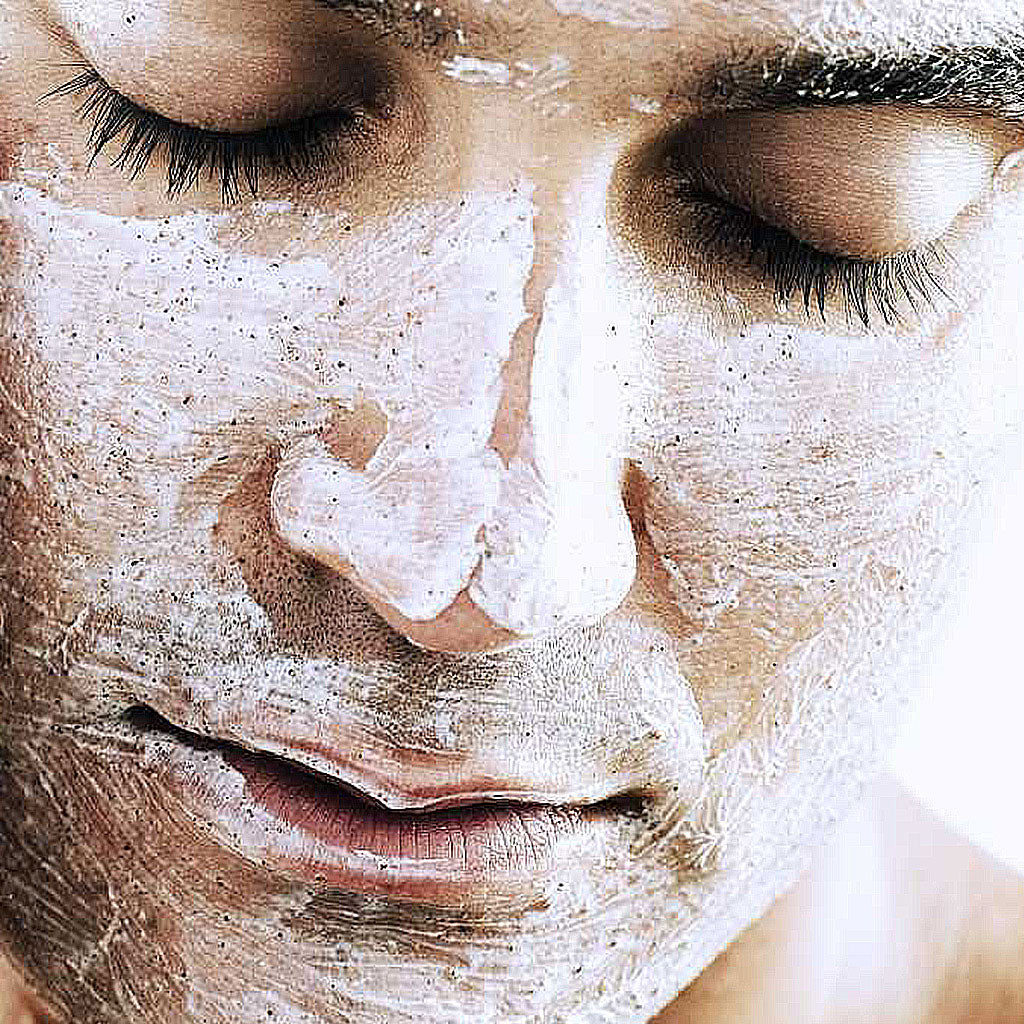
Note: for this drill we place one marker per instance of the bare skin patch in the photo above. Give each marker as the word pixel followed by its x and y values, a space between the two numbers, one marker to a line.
pixel 353 435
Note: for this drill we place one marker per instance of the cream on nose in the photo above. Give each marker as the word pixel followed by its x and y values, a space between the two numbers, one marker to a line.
pixel 463 555
pixel 405 529
pixel 464 541
pixel 470 557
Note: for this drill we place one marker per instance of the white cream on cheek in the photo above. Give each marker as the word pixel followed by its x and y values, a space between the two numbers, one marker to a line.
pixel 194 359
pixel 816 461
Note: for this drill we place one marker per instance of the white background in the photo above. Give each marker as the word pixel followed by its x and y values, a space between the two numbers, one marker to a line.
pixel 963 750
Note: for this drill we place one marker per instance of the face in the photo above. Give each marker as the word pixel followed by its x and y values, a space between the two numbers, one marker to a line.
pixel 475 479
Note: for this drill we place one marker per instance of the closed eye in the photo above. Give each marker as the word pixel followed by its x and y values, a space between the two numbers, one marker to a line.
pixel 886 286
pixel 297 150
pixel 839 208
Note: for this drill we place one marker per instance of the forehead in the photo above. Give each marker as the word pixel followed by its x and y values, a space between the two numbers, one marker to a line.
pixel 825 25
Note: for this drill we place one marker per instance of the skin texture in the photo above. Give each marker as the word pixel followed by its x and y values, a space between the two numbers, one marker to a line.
pixel 468 458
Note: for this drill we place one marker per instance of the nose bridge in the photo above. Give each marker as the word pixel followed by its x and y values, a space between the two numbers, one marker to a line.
pixel 573 351
pixel 563 199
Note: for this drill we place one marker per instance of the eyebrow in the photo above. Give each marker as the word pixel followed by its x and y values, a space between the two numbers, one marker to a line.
pixel 984 78
pixel 424 25
pixel 981 77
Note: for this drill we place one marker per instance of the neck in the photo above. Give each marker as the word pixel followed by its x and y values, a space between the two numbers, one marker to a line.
pixel 899 919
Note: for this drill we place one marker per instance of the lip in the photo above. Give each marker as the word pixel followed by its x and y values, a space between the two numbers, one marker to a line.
pixel 307 826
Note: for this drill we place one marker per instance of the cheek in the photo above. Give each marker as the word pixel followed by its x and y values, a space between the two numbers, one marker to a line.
pixel 802 486
pixel 787 443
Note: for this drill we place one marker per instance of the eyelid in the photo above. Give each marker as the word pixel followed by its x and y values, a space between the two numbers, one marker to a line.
pixel 889 287
pixel 853 181
pixel 220 67
pixel 696 237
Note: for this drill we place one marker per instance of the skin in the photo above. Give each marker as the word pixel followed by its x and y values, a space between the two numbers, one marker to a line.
pixel 681 542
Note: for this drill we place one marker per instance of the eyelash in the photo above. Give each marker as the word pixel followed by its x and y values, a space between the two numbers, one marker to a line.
pixel 298 149
pixel 885 286
pixel 302 148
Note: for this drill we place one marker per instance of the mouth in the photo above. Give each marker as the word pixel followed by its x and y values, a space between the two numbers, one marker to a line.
pixel 308 826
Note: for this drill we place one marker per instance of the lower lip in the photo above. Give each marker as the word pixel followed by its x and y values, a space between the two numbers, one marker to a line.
pixel 300 826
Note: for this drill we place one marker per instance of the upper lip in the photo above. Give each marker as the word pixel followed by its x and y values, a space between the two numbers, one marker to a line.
pixel 400 781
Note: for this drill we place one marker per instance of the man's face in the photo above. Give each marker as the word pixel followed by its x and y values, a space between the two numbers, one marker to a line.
pixel 570 449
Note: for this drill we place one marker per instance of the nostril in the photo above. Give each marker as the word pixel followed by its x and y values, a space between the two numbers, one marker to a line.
pixel 353 435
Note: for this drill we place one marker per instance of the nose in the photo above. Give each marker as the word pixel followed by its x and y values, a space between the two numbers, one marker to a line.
pixel 464 542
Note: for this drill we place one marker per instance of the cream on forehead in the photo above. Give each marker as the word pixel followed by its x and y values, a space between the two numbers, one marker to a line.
pixel 621 13
pixel 813 23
